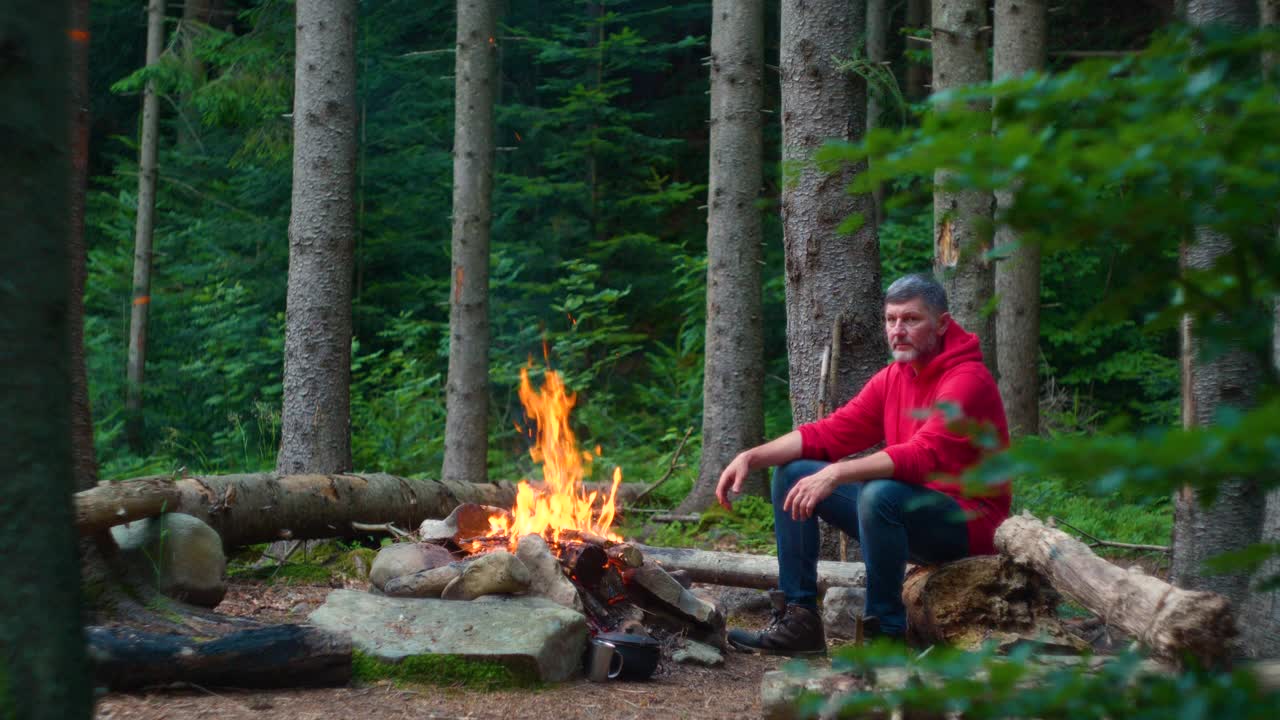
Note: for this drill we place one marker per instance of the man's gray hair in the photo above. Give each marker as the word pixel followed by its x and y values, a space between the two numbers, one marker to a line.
pixel 919 285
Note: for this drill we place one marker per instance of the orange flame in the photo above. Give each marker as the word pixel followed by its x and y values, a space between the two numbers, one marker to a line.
pixel 560 504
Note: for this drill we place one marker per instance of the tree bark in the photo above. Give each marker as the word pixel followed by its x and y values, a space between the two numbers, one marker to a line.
pixel 748 571
pixel 43 672
pixel 1167 619
pixel 1260 616
pixel 84 460
pixel 476 71
pixel 961 218
pixel 273 656
pixel 247 509
pixel 732 393
pixel 980 599
pixel 1235 519
pixel 315 424
pixel 832 279
pixel 917 77
pixel 143 231
pixel 1021 27
pixel 877 47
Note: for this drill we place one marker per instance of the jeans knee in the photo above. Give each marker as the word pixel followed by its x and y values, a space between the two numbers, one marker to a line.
pixel 878 497
pixel 784 476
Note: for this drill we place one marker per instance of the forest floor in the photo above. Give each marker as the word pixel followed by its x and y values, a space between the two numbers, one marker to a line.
pixel 676 690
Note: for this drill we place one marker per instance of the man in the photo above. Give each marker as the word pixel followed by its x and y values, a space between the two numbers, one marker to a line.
pixel 901 502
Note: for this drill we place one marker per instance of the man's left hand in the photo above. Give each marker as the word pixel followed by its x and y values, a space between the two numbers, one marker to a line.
pixel 804 496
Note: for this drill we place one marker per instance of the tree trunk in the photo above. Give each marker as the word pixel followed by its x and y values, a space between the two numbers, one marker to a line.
pixel 956 604
pixel 832 278
pixel 315 424
pixel 877 47
pixel 1021 27
pixel 917 73
pixel 1260 616
pixel 271 656
pixel 960 58
pixel 476 77
pixel 1167 619
pixel 732 399
pixel 1235 519
pixel 748 571
pixel 43 669
pixel 247 509
pixel 83 459
pixel 143 231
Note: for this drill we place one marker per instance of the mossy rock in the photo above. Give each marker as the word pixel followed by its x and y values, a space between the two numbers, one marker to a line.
pixel 448 670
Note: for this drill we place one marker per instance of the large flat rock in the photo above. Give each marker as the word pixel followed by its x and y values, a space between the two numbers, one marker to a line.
pixel 523 633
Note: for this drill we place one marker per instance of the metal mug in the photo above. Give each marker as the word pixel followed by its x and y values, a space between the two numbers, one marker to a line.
pixel 604 662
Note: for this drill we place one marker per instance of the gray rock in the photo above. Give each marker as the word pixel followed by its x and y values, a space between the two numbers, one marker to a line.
pixel 696 653
pixel 402 559
pixel 547 576
pixel 179 554
pixel 743 601
pixel 423 584
pixel 841 608
pixel 523 633
pixel 492 573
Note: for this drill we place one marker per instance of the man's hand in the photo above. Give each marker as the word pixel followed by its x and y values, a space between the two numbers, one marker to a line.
pixel 735 473
pixel 805 495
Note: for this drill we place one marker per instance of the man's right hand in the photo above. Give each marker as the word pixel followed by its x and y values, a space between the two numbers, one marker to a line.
pixel 731 480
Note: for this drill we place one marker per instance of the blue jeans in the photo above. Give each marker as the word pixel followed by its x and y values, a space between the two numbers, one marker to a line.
pixel 892 520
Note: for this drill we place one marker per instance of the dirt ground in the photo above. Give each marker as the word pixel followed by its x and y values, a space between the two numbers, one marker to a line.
pixel 676 690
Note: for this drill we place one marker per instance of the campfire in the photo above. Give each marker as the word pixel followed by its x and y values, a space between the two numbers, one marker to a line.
pixel 557 542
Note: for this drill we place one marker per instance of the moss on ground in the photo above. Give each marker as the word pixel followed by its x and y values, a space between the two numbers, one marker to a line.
pixel 442 670
pixel 318 563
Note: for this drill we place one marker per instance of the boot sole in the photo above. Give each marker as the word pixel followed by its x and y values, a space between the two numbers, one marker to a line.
pixel 783 653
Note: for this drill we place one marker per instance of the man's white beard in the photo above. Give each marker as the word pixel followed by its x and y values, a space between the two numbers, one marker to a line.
pixel 905 355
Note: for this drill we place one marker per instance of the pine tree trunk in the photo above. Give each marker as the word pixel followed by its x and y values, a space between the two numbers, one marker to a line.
pixel 43 667
pixel 1021 27
pixel 877 24
pixel 917 77
pixel 143 231
pixel 732 399
pixel 832 279
pixel 315 424
pixel 960 58
pixel 1235 519
pixel 84 461
pixel 467 420
pixel 1260 616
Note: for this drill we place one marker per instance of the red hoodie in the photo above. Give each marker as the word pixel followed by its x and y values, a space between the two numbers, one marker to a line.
pixel 924 450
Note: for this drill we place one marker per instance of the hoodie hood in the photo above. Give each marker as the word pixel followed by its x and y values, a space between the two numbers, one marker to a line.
pixel 958 346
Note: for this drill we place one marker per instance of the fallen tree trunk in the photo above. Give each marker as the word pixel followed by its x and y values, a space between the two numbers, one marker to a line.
pixel 1166 619
pixel 265 507
pixel 982 599
pixel 748 571
pixel 273 656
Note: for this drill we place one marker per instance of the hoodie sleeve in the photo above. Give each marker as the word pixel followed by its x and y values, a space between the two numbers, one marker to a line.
pixel 855 426
pixel 936 449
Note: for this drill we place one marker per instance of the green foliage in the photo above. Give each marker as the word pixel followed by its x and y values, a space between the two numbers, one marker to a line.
pixel 749 527
pixel 448 670
pixel 986 685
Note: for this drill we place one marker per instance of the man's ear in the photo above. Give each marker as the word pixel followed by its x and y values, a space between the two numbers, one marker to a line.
pixel 944 322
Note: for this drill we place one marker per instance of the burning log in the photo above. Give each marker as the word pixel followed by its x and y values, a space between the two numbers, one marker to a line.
pixel 1167 619
pixel 265 507
pixel 748 571
pixel 584 561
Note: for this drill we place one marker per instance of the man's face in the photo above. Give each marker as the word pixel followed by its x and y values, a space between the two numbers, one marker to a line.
pixel 914 332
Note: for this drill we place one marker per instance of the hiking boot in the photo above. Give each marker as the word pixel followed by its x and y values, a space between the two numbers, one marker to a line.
pixel 794 630
pixel 872 632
